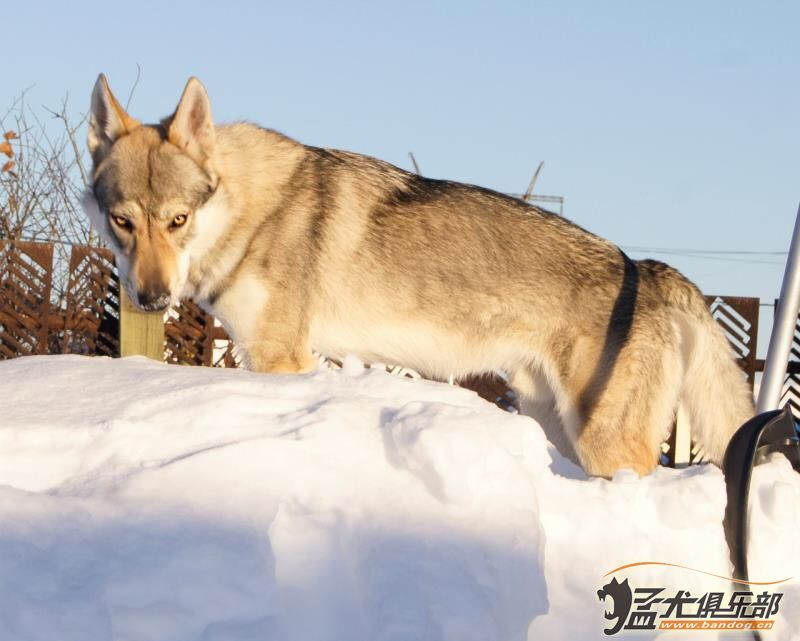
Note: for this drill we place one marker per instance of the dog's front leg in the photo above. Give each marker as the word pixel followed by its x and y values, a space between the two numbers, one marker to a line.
pixel 288 362
pixel 280 346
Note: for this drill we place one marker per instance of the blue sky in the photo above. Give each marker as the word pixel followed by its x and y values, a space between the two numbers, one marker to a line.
pixel 663 124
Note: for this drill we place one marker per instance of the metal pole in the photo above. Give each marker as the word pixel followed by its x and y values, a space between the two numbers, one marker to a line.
pixel 780 343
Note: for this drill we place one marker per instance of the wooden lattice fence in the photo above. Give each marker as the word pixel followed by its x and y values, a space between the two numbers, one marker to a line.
pixel 91 317
pixel 26 280
pixel 738 317
pixel 193 337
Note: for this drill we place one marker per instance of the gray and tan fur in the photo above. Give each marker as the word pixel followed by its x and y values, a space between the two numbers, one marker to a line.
pixel 297 248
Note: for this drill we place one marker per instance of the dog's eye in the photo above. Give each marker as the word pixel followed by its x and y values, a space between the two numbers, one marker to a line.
pixel 121 221
pixel 179 220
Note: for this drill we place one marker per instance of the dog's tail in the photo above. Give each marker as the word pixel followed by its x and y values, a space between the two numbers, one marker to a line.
pixel 715 392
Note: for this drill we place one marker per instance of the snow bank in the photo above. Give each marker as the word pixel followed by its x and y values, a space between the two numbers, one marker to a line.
pixel 141 501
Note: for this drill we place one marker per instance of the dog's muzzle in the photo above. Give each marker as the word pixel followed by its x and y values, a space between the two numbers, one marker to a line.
pixel 153 302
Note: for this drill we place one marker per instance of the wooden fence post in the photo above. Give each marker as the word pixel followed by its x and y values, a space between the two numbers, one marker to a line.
pixel 140 333
pixel 682 453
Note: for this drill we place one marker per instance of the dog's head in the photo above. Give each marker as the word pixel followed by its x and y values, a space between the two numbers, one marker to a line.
pixel 147 183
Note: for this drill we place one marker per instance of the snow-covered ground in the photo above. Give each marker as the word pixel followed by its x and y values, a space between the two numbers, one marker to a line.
pixel 144 502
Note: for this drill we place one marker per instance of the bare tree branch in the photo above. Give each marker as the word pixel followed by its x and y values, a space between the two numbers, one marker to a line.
pixel 42 178
pixel 135 84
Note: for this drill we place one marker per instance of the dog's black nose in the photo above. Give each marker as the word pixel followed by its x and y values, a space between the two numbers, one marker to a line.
pixel 153 301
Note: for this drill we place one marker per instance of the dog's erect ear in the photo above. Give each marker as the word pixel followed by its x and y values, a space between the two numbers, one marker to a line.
pixel 191 127
pixel 107 120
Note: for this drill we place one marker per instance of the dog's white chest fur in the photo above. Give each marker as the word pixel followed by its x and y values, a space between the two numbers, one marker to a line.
pixel 241 307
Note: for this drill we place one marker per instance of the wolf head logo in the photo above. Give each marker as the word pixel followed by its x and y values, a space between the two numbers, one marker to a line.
pixel 148 182
pixel 621 595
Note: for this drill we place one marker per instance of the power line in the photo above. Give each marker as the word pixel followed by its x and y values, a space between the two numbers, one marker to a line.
pixel 682 250
pixel 718 255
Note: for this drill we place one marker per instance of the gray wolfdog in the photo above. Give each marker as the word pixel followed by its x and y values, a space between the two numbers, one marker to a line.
pixel 298 248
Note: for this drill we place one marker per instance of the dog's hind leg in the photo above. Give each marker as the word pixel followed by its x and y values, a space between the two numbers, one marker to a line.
pixel 629 411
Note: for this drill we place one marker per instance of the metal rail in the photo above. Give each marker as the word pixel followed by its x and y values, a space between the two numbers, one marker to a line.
pixel 780 342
